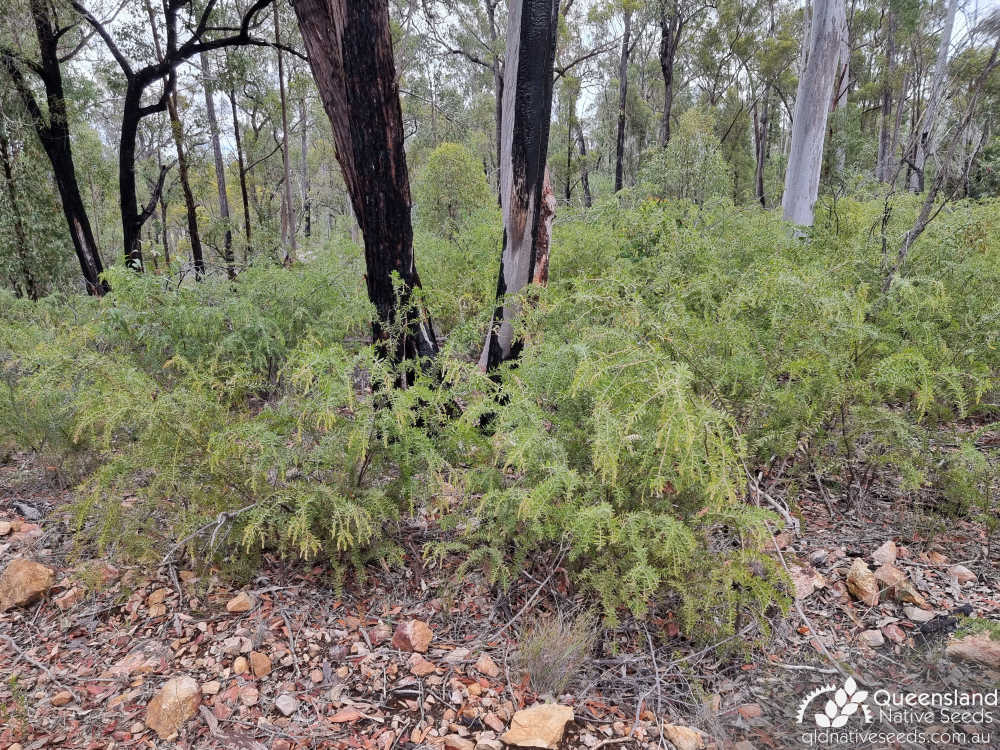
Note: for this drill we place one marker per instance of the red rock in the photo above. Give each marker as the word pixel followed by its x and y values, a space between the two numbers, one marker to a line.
pixel 69 598
pixel 750 711
pixel 420 666
pixel 894 633
pixel 174 703
pixel 414 635
pixel 242 602
pixel 62 698
pixel 487 666
pixel 24 582
pixel 260 663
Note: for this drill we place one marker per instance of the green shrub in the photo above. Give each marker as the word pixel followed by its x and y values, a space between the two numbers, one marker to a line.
pixel 691 167
pixel 449 189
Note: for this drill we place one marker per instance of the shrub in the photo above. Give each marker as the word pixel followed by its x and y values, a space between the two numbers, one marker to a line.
pixel 449 189
pixel 691 167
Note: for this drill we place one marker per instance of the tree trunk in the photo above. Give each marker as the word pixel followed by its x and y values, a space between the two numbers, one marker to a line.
pixel 588 200
pixel 53 133
pixel 670 32
pixel 883 168
pixel 350 52
pixel 812 107
pixel 20 237
pixel 761 127
pixel 191 208
pixel 306 202
pixel 220 170
pixel 527 108
pixel 288 208
pixel 622 100
pixel 843 84
pixel 925 139
pixel 244 193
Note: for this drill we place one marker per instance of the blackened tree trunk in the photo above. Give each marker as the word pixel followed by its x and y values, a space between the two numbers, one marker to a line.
pixel 20 237
pixel 761 127
pixel 53 133
pixel 350 52
pixel 306 200
pixel 190 206
pixel 527 108
pixel 671 24
pixel 588 199
pixel 622 100
pixel 220 169
pixel 812 108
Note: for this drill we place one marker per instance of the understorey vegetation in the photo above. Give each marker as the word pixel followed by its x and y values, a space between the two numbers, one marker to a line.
pixel 689 368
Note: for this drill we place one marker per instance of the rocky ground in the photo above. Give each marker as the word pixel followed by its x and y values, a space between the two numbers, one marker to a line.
pixel 95 654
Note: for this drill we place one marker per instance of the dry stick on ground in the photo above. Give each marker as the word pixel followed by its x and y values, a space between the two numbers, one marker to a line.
pixel 527 604
pixel 21 654
pixel 805 620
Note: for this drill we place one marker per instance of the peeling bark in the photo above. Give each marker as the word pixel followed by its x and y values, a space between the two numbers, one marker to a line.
pixel 527 108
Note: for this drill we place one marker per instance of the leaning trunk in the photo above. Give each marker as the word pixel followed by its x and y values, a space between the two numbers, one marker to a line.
pixel 350 52
pixel 812 106
pixel 670 31
pixel 925 142
pixel 527 107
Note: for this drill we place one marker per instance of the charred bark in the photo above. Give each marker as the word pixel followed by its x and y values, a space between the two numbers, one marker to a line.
pixel 527 108
pixel 622 101
pixel 350 52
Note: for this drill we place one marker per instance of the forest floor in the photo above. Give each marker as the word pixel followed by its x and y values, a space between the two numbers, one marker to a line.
pixel 286 661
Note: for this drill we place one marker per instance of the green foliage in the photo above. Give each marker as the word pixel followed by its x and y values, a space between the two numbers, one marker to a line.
pixel 677 348
pixel 691 167
pixel 449 189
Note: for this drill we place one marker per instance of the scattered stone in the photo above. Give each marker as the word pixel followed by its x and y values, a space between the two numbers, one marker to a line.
pixel 684 738
pixel 894 633
pixel 488 744
pixel 750 711
pixel 494 722
pixel 918 615
pixel 542 725
pixel 157 597
pixel 414 635
pixel 174 703
pixel 457 656
pixel 62 698
pixel 900 586
pixel 487 666
pixel 241 666
pixel 962 574
pixel 885 554
pixel 149 656
pixel 260 664
pixel 936 558
pixel 137 728
pixel 454 742
pixel 861 582
pixel 242 602
pixel 347 715
pixel 978 648
pixel 873 638
pixel 188 576
pixel 5 527
pixel 23 582
pixel 420 666
pixel 316 676
pixel 286 704
pixel 69 598
pixel 211 688
pixel 743 745
pixel 249 695
pixel 806 580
